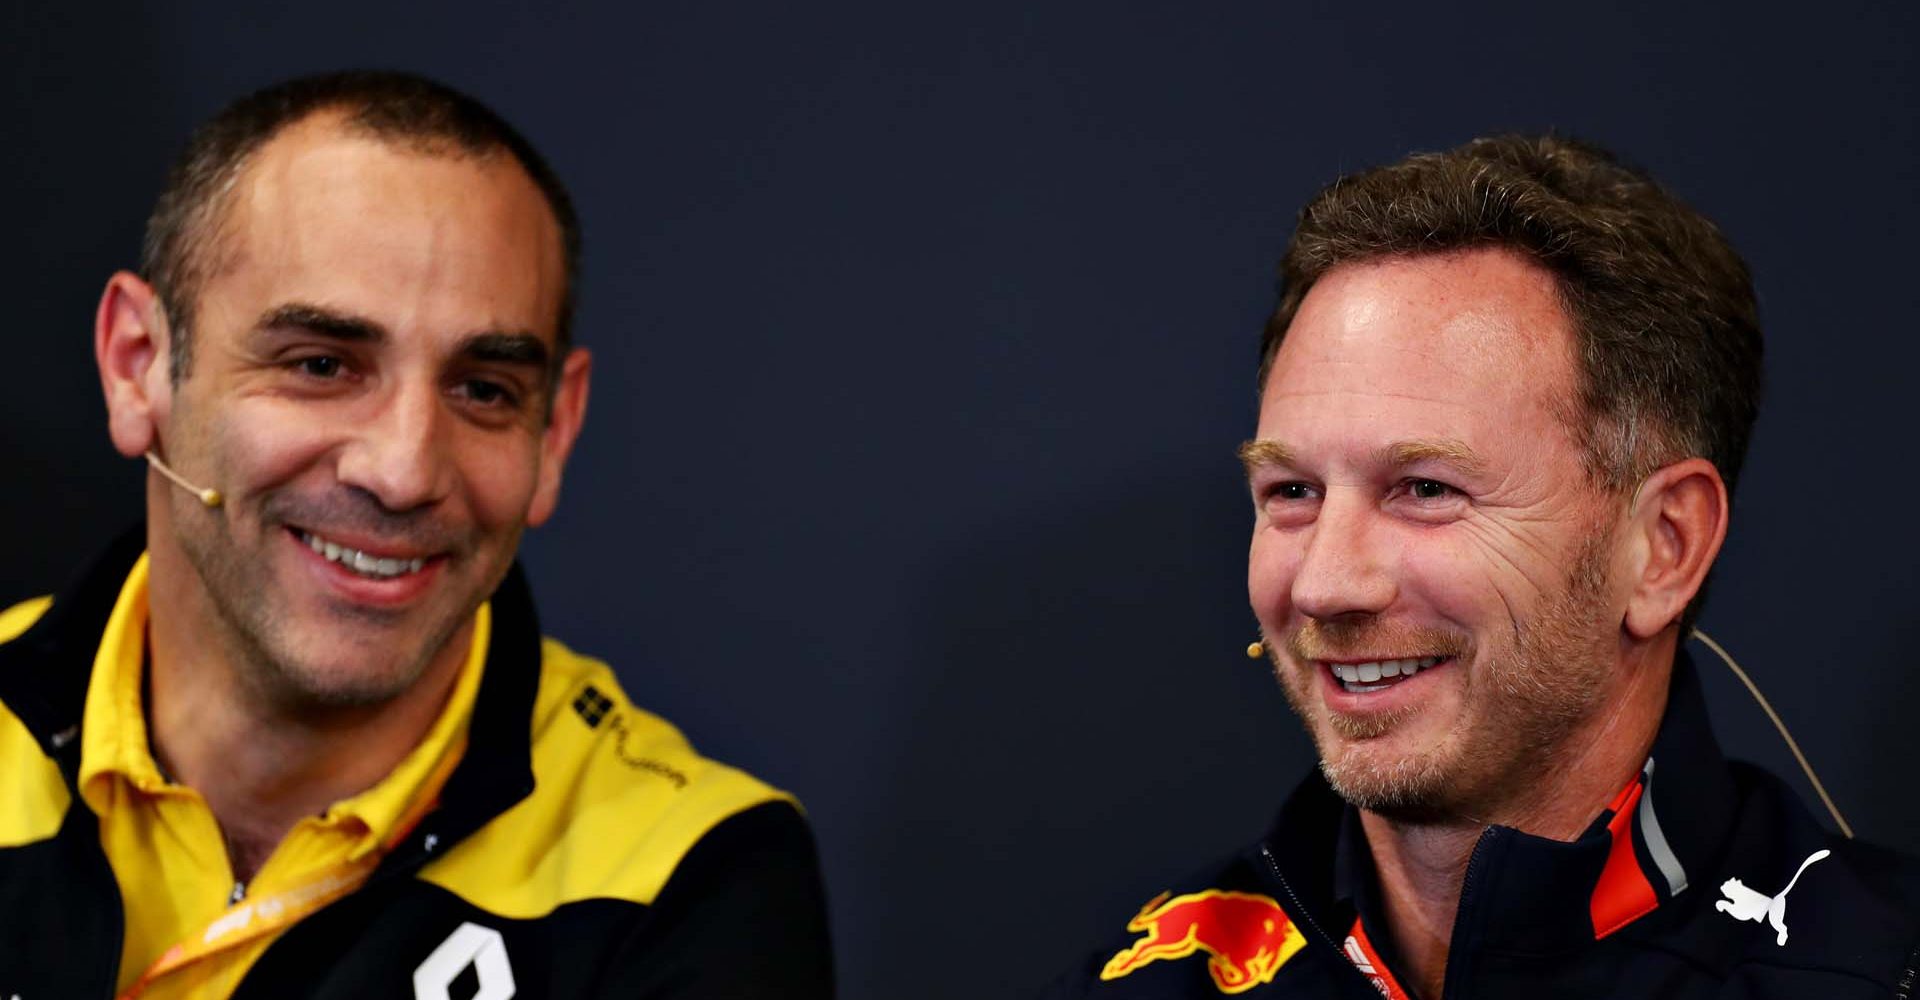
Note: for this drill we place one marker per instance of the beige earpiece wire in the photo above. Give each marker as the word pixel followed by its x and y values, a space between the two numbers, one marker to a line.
pixel 1754 689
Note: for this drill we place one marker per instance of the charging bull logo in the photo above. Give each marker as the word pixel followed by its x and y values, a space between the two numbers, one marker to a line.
pixel 1248 936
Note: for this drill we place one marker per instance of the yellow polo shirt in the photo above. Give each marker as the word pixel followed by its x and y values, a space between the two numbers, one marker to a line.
pixel 166 849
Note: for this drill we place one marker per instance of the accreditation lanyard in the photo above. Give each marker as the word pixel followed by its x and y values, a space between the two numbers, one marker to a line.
pixel 250 920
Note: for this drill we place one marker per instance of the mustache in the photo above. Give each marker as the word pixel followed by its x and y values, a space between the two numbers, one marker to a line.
pixel 1343 640
pixel 355 510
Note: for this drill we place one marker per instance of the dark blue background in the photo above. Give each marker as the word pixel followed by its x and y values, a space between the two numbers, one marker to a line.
pixel 925 338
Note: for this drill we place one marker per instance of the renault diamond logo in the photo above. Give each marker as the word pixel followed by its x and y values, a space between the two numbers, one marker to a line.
pixel 469 945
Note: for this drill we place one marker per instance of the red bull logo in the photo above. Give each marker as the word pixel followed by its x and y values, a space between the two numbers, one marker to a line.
pixel 1247 936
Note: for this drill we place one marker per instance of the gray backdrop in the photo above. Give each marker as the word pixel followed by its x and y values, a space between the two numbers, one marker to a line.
pixel 925 337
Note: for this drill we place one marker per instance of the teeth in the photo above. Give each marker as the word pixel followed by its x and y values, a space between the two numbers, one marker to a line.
pixel 359 561
pixel 1362 678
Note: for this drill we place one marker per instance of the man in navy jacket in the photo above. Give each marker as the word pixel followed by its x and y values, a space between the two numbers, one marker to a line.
pixel 1504 399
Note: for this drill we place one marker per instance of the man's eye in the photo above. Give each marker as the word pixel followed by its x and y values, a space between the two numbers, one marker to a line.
pixel 1290 491
pixel 319 366
pixel 1428 489
pixel 487 393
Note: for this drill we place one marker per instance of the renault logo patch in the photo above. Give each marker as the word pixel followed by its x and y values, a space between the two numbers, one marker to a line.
pixel 469 945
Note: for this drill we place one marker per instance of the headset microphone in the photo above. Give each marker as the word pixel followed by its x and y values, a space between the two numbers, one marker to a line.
pixel 1781 725
pixel 209 496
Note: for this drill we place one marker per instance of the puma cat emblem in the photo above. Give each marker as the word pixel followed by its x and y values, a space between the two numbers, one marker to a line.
pixel 1743 903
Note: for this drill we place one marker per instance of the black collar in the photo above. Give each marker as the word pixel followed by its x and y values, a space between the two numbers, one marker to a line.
pixel 44 675
pixel 1532 894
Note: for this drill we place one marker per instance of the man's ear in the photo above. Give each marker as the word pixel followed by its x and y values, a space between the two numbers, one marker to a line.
pixel 130 341
pixel 563 428
pixel 1678 520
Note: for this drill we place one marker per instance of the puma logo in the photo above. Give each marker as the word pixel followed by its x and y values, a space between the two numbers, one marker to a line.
pixel 1743 903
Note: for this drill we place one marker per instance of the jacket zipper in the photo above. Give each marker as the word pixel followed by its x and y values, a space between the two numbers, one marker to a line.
pixel 1457 958
pixel 1340 952
pixel 1273 865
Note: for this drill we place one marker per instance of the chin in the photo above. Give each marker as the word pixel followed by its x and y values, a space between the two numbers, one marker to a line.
pixel 306 689
pixel 1398 775
pixel 1407 788
pixel 341 674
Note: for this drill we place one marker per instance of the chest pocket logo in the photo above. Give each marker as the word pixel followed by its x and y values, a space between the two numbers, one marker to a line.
pixel 1743 903
pixel 469 945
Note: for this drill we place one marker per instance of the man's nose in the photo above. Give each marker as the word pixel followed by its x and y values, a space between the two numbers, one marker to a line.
pixel 399 453
pixel 1347 568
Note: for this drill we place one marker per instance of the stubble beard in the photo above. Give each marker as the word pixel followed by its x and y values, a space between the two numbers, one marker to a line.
pixel 260 632
pixel 1520 706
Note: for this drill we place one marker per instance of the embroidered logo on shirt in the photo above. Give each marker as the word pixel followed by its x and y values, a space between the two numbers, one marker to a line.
pixel 470 944
pixel 592 706
pixel 596 710
pixel 639 762
pixel 1743 903
pixel 1248 936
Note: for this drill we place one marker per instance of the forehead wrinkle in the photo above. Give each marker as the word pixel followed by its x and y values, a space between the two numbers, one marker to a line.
pixel 275 181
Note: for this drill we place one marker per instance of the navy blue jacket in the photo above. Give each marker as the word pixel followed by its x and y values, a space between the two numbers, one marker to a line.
pixel 1673 892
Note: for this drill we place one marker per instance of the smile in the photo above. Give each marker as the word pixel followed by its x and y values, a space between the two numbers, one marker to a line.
pixel 1378 675
pixel 375 567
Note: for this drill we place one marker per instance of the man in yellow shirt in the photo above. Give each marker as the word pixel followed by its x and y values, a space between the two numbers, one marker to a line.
pixel 299 736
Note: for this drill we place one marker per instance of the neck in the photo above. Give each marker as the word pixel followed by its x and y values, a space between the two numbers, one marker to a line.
pixel 1421 865
pixel 260 765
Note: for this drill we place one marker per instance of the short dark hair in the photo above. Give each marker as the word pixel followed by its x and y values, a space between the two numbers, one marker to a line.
pixel 182 233
pixel 1667 333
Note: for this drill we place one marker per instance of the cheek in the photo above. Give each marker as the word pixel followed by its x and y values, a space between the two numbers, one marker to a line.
pixel 1272 562
pixel 260 446
pixel 499 476
pixel 1463 580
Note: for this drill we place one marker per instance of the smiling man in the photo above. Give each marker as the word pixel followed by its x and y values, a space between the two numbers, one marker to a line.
pixel 1504 399
pixel 299 735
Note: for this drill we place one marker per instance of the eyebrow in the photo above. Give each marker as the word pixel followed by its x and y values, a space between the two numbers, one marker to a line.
pixel 1259 454
pixel 1447 450
pixel 507 348
pixel 495 346
pixel 325 322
